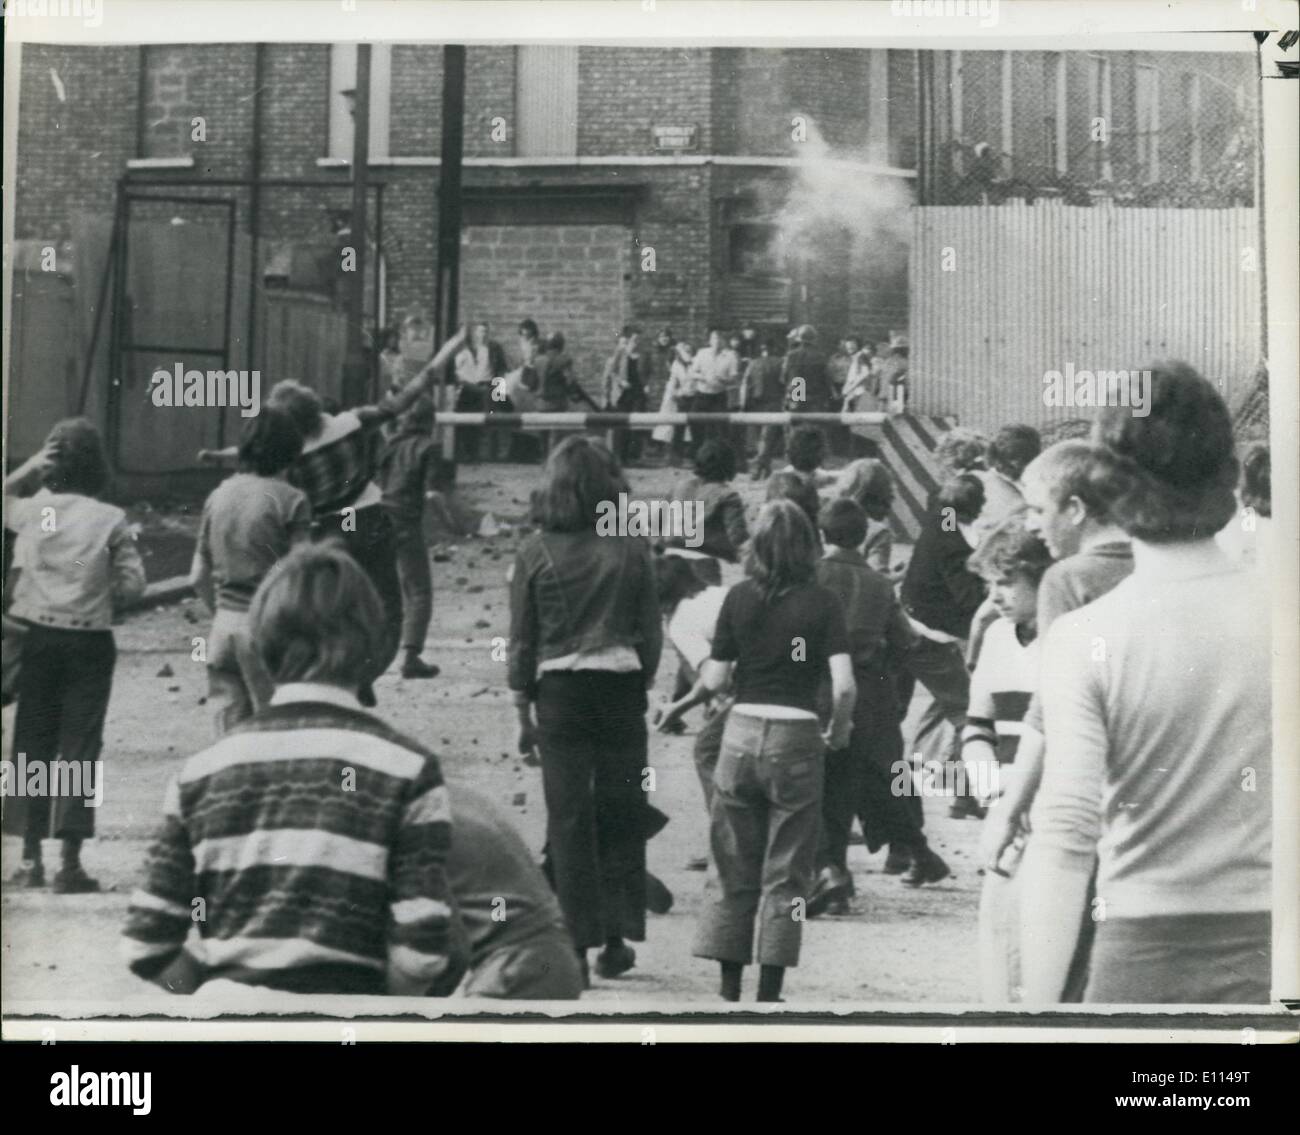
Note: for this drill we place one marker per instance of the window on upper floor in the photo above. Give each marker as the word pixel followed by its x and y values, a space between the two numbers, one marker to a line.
pixel 1100 119
pixel 546 101
pixel 1055 119
pixel 1146 107
pixel 343 85
pixel 168 103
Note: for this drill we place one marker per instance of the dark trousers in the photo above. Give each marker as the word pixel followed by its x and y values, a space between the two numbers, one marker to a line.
pixel 941 668
pixel 416 581
pixel 685 405
pixel 593 743
pixel 627 442
pixel 764 440
pixel 369 537
pixel 858 784
pixel 708 404
pixel 63 692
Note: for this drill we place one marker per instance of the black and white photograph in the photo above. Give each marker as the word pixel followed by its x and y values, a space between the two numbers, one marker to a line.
pixel 649 507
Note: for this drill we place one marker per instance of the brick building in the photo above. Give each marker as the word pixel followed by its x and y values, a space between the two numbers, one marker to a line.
pixel 680 187
pixel 666 186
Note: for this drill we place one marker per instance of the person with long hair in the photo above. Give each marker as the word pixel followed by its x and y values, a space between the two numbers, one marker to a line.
pixel 868 484
pixel 1157 710
pixel 780 632
pixel 315 837
pixel 250 521
pixel 76 562
pixel 337 469
pixel 585 639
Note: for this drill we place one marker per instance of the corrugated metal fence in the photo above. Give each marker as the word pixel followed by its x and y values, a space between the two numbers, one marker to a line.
pixel 1003 294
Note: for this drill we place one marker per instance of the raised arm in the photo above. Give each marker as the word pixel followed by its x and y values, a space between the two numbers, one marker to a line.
pixel 27 477
pixel 398 402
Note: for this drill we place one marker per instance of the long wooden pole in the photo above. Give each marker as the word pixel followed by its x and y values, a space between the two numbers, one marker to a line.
pixel 447 295
pixel 356 370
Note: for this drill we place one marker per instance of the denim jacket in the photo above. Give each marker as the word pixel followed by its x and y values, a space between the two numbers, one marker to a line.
pixel 577 591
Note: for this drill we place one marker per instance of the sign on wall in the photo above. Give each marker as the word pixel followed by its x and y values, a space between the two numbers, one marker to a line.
pixel 677 138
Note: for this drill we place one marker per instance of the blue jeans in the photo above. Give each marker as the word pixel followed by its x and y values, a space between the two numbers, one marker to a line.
pixel 763 825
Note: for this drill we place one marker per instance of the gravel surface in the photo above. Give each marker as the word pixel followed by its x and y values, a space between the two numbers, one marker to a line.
pixel 897 945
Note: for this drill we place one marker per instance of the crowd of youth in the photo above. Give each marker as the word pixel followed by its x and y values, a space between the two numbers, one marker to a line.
pixel 1125 849
pixel 730 371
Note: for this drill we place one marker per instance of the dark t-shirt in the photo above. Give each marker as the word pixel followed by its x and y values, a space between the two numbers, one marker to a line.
pixel 780 649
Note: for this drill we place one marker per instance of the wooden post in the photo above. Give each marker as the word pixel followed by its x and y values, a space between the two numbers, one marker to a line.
pixel 447 297
pixel 356 370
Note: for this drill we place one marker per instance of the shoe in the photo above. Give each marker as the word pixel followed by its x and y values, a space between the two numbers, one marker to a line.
pixel 585 970
pixel 965 806
pixel 832 883
pixel 697 863
pixel 677 728
pixel 926 868
pixel 30 874
pixel 73 881
pixel 897 861
pixel 366 696
pixel 658 898
pixel 837 907
pixel 416 667
pixel 615 960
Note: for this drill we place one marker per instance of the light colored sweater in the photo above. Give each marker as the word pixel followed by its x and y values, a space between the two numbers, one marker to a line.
pixel 1157 705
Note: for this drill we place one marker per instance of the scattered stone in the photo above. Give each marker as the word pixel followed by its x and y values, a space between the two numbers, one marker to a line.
pixel 479 693
pixel 475 589
pixel 520 799
pixel 203 700
pixel 173 689
pixel 441 558
pixel 461 581
pixel 166 671
pixel 481 624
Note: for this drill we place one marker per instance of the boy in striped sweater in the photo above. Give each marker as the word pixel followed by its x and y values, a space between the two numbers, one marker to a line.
pixel 308 846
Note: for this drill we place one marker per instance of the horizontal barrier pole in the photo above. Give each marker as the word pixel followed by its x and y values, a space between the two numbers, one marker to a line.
pixel 612 419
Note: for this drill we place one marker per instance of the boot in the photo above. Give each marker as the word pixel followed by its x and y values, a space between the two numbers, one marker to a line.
pixel 927 867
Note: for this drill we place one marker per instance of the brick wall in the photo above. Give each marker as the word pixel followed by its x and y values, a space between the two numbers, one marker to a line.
pixel 740 100
pixel 568 278
pixel 623 92
pixel 73 148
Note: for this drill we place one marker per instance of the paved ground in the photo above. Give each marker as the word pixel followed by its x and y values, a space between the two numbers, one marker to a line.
pixel 897 945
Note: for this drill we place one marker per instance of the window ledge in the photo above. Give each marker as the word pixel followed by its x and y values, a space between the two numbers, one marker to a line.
pixel 160 163
pixel 869 168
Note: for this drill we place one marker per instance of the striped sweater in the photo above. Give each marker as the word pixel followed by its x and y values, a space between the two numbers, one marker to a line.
pixel 308 849
pixel 1005 678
